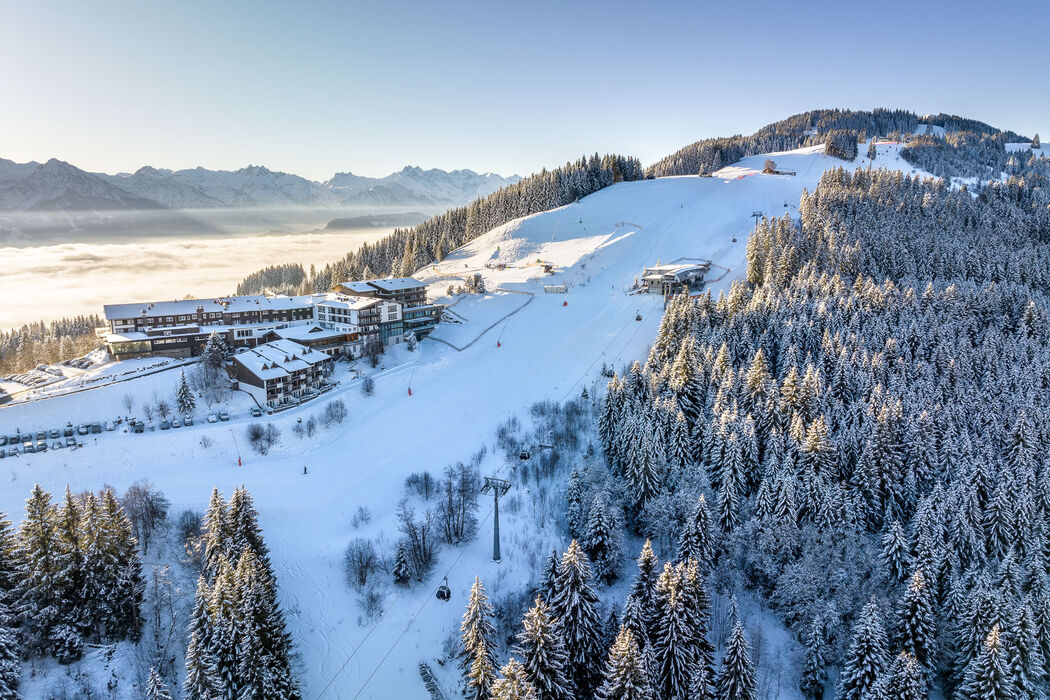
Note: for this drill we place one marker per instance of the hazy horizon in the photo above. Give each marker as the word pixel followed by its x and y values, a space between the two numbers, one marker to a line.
pixel 506 88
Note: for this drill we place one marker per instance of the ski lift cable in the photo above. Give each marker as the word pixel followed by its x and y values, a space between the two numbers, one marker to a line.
pixel 426 600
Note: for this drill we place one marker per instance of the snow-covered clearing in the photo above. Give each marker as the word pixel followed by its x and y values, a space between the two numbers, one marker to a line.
pixel 549 349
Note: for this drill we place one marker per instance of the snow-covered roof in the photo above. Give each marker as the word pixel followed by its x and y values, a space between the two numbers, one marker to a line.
pixel 342 301
pixel 307 332
pixel 192 306
pixel 396 284
pixel 360 287
pixel 278 358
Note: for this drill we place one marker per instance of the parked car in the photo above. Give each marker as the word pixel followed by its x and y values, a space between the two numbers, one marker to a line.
pixel 224 415
pixel 54 433
pixel 83 429
pixel 3 440
pixel 42 435
pixel 138 427
pixel 2 454
pixel 164 425
pixel 256 411
pixel 110 426
pixel 12 450
pixel 57 445
pixel 96 428
pixel 68 432
pixel 187 420
pixel 176 423
pixel 15 439
pixel 27 447
pixel 212 418
pixel 71 441
pixel 41 446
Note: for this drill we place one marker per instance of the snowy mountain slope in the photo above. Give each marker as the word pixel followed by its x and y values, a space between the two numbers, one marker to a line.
pixel 549 349
pixel 413 185
pixel 59 186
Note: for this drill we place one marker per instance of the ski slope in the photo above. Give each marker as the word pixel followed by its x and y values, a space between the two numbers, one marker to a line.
pixel 549 348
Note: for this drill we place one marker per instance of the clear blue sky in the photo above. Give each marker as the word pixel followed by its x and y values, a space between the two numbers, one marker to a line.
pixel 319 87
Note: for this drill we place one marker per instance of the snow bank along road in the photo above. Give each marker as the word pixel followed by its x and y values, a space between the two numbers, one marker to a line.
pixel 548 350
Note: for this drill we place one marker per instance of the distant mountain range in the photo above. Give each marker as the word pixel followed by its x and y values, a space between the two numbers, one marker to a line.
pixel 57 186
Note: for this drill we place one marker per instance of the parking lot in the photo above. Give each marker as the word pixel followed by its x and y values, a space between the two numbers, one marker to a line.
pixel 22 442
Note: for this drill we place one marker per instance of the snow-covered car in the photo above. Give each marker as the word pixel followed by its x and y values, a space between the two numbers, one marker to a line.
pixel 212 418
pixel 83 429
pixel 41 446
pixel 256 411
pixel 70 441
pixel 96 428
pixel 224 415
pixel 164 425
pixel 27 447
pixel 110 426
pixel 176 423
pixel 42 435
pixel 187 420
pixel 57 445
pixel 3 440
pixel 12 451
pixel 2 453
pixel 54 433
pixel 68 432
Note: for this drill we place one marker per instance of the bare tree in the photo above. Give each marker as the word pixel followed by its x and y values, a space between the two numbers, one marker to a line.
pixel 368 386
pixel 360 561
pixel 374 350
pixel 459 503
pixel 163 408
pixel 146 508
pixel 129 402
pixel 334 412
pixel 418 539
pixel 147 410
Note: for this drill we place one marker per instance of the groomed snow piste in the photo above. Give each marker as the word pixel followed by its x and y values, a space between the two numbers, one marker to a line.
pixel 551 345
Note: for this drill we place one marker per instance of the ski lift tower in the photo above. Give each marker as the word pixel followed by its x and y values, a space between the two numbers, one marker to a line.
pixel 498 487
pixel 757 215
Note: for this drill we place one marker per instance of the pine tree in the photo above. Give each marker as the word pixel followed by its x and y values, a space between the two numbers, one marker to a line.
pixel 643 590
pixel 543 654
pixel 39 589
pixel 866 658
pixel 575 608
pixel 695 540
pixel 549 580
pixel 1035 142
pixel 477 635
pixel 70 571
pixel 514 684
pixel 906 680
pixel 10 653
pixel 184 396
pixel 916 626
pixel 988 676
pixel 216 533
pixel 674 636
pixel 603 540
pixel 736 679
pixel 895 551
pixel 156 689
pixel 1026 663
pixel 402 573
pixel 872 151
pixel 626 677
pixel 202 682
pixel 814 665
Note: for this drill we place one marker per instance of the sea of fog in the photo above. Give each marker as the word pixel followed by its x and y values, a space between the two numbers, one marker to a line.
pixel 47 282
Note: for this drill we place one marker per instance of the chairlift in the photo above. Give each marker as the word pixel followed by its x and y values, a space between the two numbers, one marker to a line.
pixel 444 593
pixel 637 316
pixel 524 455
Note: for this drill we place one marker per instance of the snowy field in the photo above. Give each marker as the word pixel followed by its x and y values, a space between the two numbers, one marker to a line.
pixel 549 348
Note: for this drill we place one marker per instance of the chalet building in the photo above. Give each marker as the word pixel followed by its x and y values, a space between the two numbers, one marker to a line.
pixel 417 315
pixel 311 335
pixel 375 320
pixel 672 279
pixel 282 372
pixel 343 322
pixel 181 328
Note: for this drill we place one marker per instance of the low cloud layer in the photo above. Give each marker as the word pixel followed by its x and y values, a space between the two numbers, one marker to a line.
pixel 55 281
